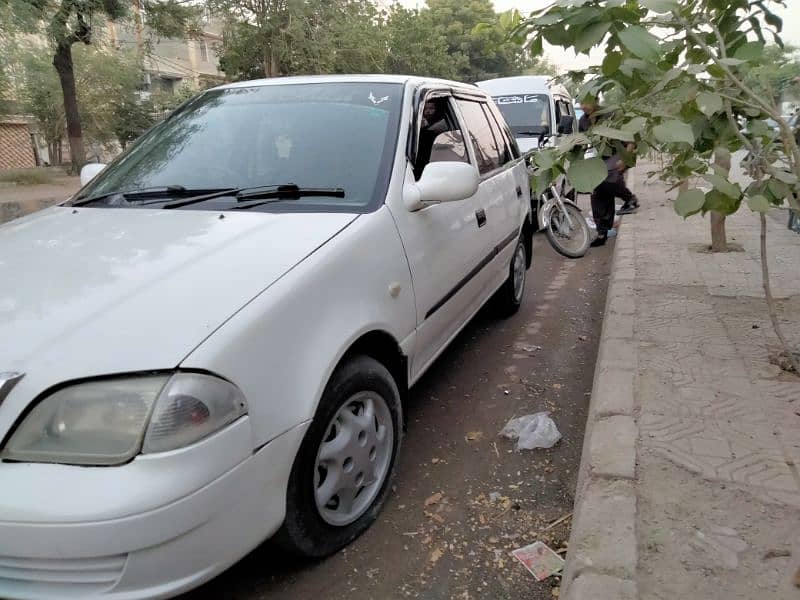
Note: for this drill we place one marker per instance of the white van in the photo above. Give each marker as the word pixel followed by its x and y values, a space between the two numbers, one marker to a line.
pixel 532 105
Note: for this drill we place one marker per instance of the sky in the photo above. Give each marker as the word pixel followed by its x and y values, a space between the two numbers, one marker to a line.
pixel 565 60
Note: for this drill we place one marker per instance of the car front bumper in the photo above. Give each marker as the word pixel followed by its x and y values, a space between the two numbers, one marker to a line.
pixel 148 529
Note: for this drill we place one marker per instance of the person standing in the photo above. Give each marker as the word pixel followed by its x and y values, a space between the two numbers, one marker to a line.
pixel 603 195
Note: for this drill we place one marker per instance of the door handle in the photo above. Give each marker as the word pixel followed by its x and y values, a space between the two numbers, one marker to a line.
pixel 480 216
pixel 519 192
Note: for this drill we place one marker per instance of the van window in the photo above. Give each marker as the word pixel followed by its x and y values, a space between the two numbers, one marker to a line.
pixel 487 152
pixel 526 114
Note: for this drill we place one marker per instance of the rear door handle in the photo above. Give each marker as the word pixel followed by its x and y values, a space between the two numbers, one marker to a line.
pixel 519 192
pixel 480 215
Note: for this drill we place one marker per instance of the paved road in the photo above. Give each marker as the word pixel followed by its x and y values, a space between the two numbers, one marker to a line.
pixel 541 359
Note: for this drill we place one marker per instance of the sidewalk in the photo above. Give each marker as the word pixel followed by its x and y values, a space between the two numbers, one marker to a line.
pixel 689 484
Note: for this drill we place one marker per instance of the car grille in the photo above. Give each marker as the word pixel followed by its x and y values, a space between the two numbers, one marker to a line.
pixel 62 578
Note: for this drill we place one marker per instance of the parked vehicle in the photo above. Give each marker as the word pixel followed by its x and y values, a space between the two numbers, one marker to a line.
pixel 210 343
pixel 533 106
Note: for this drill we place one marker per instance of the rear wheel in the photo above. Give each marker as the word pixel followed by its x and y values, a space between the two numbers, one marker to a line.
pixel 341 475
pixel 568 237
pixel 509 297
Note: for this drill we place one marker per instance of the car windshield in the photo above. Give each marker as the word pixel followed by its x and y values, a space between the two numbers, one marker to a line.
pixel 526 114
pixel 319 135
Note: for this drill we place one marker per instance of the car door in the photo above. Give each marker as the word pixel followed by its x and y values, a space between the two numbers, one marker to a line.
pixel 445 243
pixel 499 194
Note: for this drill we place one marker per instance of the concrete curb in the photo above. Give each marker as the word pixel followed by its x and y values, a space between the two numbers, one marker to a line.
pixel 602 557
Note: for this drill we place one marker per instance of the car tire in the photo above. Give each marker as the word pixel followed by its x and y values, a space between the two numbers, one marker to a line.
pixel 313 528
pixel 509 297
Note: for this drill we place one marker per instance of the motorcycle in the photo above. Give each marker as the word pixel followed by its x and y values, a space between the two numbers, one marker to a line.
pixel 558 215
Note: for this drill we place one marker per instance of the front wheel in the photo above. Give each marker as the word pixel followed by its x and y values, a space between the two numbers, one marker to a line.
pixel 342 473
pixel 570 238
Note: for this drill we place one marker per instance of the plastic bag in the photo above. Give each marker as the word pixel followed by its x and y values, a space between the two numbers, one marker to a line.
pixel 532 431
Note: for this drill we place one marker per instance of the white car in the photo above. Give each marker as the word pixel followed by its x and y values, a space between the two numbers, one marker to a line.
pixel 209 345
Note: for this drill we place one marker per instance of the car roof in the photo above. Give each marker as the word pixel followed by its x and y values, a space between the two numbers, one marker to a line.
pixel 378 78
pixel 523 84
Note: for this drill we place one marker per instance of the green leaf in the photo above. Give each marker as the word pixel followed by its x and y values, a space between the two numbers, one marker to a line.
pixel 689 202
pixel 542 180
pixel 568 142
pixel 545 159
pixel 667 78
pixel 612 133
pixel 659 6
pixel 587 174
pixel 758 203
pixel 785 177
pixel 611 63
pixel 749 51
pixel 721 184
pixel 719 202
pixel 731 62
pixel 591 36
pixel 709 103
pixel 757 128
pixel 641 43
pixel 674 132
pixel 635 125
pixel 777 189
pixel 536 46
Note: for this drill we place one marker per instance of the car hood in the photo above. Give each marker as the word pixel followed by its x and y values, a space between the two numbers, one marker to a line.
pixel 91 291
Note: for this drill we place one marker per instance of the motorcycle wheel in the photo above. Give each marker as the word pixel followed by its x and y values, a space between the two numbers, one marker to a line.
pixel 572 242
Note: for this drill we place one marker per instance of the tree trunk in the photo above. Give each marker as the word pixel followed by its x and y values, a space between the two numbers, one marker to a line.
pixel 719 239
pixel 62 61
pixel 773 313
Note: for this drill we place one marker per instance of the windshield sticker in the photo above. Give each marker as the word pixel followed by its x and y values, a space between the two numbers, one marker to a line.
pixel 283 144
pixel 377 101
pixel 518 99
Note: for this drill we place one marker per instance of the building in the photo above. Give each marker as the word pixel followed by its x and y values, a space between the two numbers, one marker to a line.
pixel 17 148
pixel 171 64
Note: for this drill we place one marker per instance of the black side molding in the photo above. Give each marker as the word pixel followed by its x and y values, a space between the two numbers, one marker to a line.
pixel 511 237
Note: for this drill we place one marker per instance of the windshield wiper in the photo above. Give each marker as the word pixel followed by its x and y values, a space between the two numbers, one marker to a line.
pixel 268 193
pixel 163 191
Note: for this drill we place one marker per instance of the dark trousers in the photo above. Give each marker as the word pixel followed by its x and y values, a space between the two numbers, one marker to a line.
pixel 603 208
pixel 623 192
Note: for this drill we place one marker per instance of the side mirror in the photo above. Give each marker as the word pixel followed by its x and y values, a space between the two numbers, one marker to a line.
pixel 566 124
pixel 447 181
pixel 90 171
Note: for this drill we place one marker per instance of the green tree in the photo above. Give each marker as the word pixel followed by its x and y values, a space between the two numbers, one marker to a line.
pixel 70 22
pixel 295 37
pixel 699 53
pixel 477 39
pixel 417 46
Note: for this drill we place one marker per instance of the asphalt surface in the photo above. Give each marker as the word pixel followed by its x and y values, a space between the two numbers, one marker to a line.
pixel 464 498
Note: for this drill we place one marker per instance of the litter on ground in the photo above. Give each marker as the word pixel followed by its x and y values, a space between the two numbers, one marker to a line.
pixel 539 559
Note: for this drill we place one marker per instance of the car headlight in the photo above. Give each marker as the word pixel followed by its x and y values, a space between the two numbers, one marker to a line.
pixel 108 422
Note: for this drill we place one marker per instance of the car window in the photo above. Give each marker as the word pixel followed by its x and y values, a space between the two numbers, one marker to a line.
pixel 506 154
pixel 480 132
pixel 440 137
pixel 322 135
